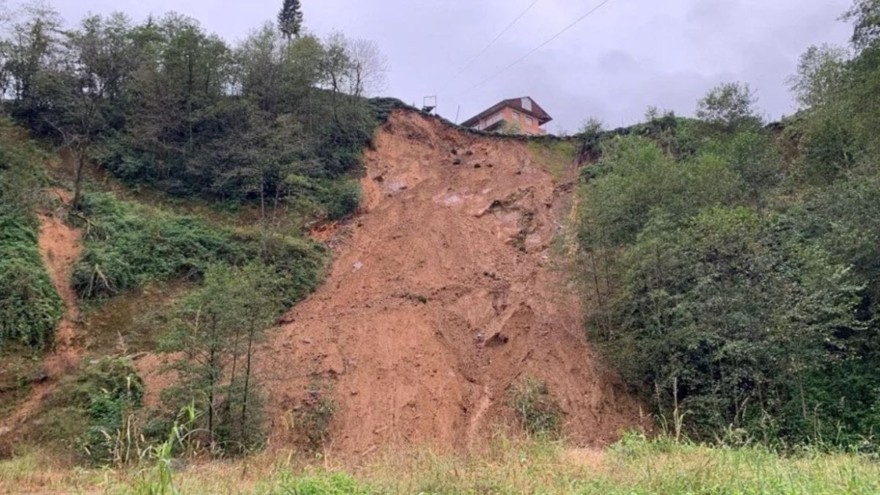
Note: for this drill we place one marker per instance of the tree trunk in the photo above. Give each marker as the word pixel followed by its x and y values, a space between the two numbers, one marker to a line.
pixel 247 379
pixel 79 165
pixel 212 380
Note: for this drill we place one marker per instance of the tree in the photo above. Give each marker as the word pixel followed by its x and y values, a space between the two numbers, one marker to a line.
pixel 728 316
pixel 369 68
pixel 865 15
pixel 591 126
pixel 820 73
pixel 217 330
pixel 32 51
pixel 290 19
pixel 729 107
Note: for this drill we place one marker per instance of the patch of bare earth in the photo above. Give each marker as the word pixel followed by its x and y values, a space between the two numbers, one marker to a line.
pixel 443 296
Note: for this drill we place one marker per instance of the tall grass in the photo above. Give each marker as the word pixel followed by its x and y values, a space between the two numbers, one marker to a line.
pixel 635 465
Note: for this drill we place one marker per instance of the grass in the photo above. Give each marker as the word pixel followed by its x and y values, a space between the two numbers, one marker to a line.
pixel 633 466
pixel 556 155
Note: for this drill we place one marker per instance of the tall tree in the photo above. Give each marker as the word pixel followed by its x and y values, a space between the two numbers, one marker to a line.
pixel 290 19
pixel 729 108
pixel 865 16
pixel 215 333
pixel 369 68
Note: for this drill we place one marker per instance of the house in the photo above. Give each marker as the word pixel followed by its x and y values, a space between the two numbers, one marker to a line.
pixel 523 113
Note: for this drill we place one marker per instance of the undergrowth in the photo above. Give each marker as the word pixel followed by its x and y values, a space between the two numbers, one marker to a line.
pixel 559 155
pixel 89 414
pixel 127 245
pixel 635 465
pixel 29 304
pixel 537 410
pixel 314 416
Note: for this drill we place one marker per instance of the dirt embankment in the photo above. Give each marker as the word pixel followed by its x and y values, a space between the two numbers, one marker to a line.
pixel 443 293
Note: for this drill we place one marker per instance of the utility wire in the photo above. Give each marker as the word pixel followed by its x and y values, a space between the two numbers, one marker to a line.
pixel 490 45
pixel 542 45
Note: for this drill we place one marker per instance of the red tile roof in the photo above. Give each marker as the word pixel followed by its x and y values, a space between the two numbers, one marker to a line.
pixel 515 103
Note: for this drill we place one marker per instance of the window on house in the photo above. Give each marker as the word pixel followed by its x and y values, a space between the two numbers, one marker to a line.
pixel 530 121
pixel 516 115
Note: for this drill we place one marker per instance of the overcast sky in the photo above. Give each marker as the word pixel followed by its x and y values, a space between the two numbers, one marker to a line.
pixel 628 55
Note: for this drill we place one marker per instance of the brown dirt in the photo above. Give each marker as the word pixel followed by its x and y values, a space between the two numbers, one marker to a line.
pixel 60 247
pixel 446 292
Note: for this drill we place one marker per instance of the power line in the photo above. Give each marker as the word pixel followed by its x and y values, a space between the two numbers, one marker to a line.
pixel 491 44
pixel 542 45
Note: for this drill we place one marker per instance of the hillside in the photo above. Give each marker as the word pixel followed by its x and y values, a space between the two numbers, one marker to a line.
pixel 224 268
pixel 445 291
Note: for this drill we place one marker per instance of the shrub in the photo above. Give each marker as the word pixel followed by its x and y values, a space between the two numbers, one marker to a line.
pixel 535 407
pixel 331 484
pixel 127 245
pixel 726 317
pixel 91 410
pixel 314 416
pixel 30 307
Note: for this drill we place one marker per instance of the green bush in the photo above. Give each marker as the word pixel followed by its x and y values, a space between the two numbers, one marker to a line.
pixel 110 390
pixel 314 416
pixel 127 245
pixel 30 307
pixel 726 317
pixel 535 407
pixel 91 410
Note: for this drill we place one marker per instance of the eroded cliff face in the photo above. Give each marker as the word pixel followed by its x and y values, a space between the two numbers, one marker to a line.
pixel 443 292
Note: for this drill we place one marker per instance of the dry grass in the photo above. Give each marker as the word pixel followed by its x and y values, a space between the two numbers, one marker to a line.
pixel 635 466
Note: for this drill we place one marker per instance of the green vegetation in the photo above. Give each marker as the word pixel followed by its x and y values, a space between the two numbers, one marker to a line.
pixel 92 411
pixel 29 304
pixel 127 245
pixel 275 120
pixel 537 410
pixel 734 266
pixel 314 416
pixel 559 155
pixel 633 466
pixel 216 332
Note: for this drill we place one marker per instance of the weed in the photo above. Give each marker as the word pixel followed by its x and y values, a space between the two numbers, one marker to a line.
pixel 91 413
pixel 558 155
pixel 537 410
pixel 314 416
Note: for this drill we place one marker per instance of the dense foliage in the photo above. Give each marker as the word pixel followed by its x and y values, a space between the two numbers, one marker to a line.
pixel 29 304
pixel 734 267
pixel 92 412
pixel 216 334
pixel 278 118
pixel 127 244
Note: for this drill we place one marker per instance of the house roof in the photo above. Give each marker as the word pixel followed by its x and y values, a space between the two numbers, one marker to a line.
pixel 515 103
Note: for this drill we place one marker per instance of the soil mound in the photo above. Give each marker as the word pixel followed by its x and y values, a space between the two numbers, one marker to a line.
pixel 443 293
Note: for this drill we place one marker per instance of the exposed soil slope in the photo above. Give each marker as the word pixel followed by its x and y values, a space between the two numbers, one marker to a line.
pixel 442 294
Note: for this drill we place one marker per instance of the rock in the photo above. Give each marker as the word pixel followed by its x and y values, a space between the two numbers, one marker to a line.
pixel 457 161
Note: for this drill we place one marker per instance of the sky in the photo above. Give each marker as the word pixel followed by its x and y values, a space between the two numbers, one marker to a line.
pixel 613 65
